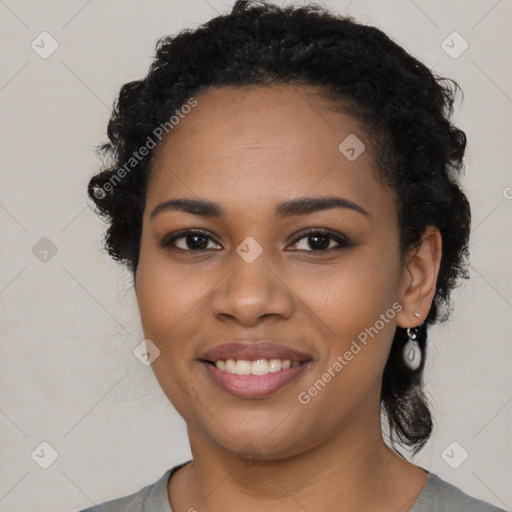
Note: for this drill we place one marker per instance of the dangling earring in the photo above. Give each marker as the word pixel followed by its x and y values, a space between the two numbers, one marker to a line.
pixel 411 352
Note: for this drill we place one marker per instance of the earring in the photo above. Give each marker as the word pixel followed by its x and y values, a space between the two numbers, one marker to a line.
pixel 411 352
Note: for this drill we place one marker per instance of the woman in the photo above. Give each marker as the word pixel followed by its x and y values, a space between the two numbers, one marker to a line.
pixel 283 186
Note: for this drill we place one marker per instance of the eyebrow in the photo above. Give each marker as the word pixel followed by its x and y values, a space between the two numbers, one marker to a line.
pixel 300 206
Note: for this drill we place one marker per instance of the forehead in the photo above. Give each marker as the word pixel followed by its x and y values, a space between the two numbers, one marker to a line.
pixel 260 144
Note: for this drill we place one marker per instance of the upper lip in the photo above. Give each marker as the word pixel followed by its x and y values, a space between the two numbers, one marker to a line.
pixel 251 351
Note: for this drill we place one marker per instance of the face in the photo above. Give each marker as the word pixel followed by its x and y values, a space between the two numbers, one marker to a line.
pixel 318 279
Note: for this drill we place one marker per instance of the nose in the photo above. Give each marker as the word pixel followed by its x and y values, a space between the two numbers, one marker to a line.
pixel 251 291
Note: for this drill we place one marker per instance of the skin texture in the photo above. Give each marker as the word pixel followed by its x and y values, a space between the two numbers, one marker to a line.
pixel 250 149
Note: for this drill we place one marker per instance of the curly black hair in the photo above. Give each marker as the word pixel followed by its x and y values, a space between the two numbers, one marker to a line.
pixel 400 102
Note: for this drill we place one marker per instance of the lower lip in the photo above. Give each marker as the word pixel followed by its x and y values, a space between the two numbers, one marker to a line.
pixel 254 386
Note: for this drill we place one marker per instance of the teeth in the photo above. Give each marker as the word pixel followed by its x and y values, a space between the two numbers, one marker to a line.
pixel 230 366
pixel 258 367
pixel 274 365
pixel 243 367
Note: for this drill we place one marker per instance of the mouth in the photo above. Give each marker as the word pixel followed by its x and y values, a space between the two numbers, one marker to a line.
pixel 254 369
pixel 257 367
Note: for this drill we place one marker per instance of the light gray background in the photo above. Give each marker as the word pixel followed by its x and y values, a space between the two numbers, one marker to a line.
pixel 69 325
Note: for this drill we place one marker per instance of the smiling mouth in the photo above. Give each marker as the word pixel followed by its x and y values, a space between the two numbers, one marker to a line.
pixel 257 378
pixel 256 367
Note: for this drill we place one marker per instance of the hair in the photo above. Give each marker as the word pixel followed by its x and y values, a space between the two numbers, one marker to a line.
pixel 407 109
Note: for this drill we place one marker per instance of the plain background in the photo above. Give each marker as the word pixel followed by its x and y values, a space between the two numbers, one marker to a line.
pixel 70 324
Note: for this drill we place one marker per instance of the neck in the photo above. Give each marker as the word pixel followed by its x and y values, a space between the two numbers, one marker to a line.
pixel 351 471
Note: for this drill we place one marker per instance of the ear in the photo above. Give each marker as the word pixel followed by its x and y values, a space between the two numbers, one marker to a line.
pixel 419 278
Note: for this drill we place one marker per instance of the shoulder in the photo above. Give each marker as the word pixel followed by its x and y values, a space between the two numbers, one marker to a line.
pixel 440 496
pixel 131 503
pixel 151 498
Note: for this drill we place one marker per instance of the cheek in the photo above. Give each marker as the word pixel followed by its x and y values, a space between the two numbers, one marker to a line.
pixel 163 297
pixel 354 307
pixel 342 299
pixel 169 301
pixel 353 294
pixel 165 293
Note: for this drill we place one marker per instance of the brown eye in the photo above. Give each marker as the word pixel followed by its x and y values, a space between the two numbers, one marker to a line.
pixel 321 240
pixel 189 240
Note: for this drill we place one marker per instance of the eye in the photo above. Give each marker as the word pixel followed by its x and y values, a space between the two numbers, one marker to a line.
pixel 320 240
pixel 194 240
pixel 317 239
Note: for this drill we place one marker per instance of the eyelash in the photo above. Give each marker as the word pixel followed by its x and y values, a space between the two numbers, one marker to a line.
pixel 342 240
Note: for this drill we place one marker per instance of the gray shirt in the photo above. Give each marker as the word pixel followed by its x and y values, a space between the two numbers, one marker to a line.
pixel 436 496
